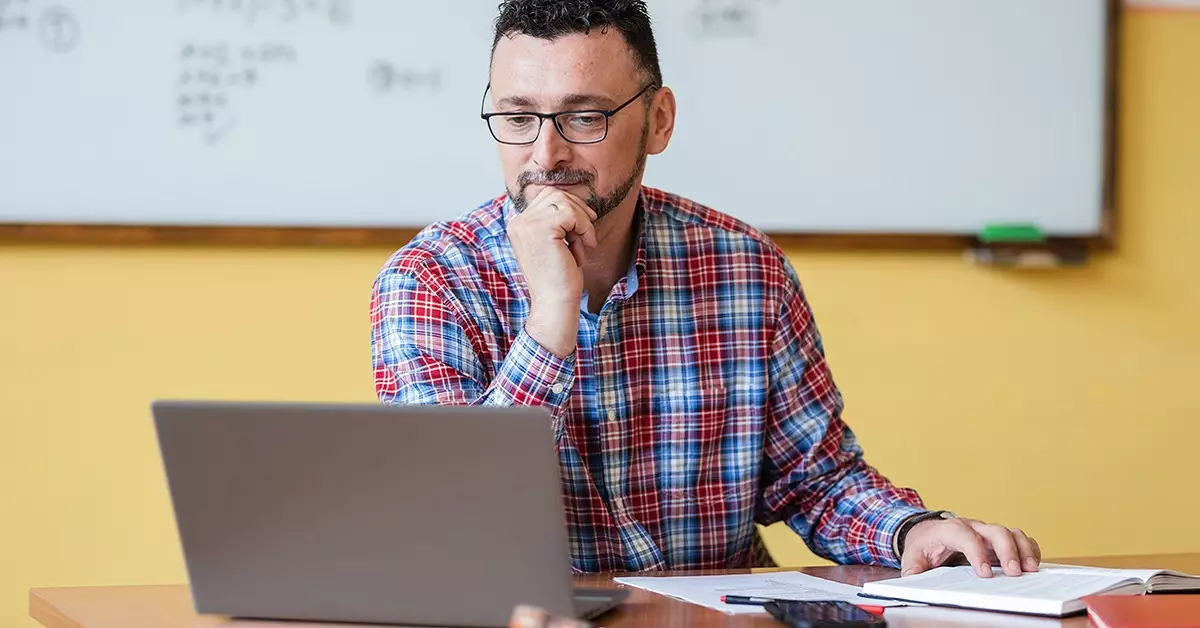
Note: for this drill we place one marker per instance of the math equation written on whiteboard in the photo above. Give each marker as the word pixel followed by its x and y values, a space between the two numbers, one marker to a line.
pixel 53 25
pixel 213 75
pixel 337 12
pixel 719 19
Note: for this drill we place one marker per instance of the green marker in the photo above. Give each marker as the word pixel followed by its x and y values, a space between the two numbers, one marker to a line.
pixel 1011 233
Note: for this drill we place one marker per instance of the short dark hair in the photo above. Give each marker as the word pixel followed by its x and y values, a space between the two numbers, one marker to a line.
pixel 550 19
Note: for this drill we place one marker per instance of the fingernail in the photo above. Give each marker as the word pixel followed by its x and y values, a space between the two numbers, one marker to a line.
pixel 1014 567
pixel 985 570
pixel 1031 564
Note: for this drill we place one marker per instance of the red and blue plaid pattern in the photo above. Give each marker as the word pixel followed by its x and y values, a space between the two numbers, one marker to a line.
pixel 697 404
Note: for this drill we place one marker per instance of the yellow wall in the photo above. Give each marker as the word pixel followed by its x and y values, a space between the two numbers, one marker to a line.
pixel 1065 402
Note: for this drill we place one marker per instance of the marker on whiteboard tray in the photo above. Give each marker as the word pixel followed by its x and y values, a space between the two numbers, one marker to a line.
pixel 1012 233
pixel 1023 245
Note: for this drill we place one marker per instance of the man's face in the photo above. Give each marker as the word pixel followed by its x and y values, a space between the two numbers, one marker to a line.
pixel 573 72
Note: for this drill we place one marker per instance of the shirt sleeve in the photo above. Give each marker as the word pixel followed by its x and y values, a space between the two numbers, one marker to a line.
pixel 427 351
pixel 814 475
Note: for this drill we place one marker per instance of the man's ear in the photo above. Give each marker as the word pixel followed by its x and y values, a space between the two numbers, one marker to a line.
pixel 662 120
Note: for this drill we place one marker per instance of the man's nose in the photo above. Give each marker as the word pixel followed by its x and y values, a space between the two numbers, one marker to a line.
pixel 550 149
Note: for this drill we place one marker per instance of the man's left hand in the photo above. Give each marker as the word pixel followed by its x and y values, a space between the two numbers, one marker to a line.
pixel 936 542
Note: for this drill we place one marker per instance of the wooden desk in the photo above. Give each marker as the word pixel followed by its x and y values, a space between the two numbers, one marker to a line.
pixel 171 606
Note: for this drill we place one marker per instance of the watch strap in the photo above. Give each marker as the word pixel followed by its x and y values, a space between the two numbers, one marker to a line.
pixel 913 521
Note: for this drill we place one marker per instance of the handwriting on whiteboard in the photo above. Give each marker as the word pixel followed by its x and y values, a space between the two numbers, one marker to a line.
pixel 282 11
pixel 213 75
pixel 55 26
pixel 384 77
pixel 713 19
pixel 14 17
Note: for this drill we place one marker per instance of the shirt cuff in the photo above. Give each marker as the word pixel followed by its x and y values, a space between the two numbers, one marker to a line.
pixel 533 376
pixel 888 527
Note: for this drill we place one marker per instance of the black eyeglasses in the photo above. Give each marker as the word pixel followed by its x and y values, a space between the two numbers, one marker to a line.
pixel 588 126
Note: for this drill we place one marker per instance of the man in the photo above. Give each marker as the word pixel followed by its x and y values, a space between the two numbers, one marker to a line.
pixel 672 344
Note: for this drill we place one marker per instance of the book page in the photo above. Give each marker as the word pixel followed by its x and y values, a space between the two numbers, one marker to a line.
pixel 1141 574
pixel 1042 585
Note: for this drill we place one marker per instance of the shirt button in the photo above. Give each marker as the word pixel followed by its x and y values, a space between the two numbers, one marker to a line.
pixel 557 389
pixel 612 415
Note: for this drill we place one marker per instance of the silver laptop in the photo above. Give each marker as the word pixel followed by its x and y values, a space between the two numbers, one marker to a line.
pixel 439 516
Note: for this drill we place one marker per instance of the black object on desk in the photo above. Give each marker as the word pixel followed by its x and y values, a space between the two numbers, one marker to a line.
pixel 822 615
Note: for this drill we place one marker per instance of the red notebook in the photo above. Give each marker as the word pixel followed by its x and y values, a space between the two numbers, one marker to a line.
pixel 1144 611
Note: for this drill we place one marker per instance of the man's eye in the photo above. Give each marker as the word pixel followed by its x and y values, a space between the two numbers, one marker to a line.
pixel 585 121
pixel 519 122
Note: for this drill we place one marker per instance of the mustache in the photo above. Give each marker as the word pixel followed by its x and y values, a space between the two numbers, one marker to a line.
pixel 564 176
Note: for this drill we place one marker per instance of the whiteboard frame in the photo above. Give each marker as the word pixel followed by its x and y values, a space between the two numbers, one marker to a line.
pixel 266 236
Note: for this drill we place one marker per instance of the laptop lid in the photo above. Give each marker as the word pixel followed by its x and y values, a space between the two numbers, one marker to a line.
pixel 367 513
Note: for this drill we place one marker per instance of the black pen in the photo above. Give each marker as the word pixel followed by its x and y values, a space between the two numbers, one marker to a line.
pixel 749 601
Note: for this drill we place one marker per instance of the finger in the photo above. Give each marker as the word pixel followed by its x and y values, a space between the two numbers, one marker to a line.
pixel 528 617
pixel 914 563
pixel 552 199
pixel 964 538
pixel 576 221
pixel 576 202
pixel 534 202
pixel 564 214
pixel 589 237
pixel 563 222
pixel 1002 542
pixel 577 249
pixel 586 215
pixel 1031 555
pixel 546 202
pixel 1026 548
pixel 579 203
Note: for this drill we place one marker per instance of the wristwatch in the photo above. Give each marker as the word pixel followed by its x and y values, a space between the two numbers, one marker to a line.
pixel 914 520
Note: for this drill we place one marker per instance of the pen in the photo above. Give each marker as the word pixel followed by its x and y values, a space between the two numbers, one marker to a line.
pixel 759 601
pixel 749 601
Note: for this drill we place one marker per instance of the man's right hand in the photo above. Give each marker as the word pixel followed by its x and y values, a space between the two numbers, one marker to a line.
pixel 534 617
pixel 549 239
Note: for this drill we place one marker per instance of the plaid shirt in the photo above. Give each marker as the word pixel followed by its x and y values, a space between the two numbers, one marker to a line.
pixel 697 403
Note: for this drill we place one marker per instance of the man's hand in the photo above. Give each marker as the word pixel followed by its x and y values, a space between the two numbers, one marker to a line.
pixel 549 239
pixel 533 617
pixel 936 542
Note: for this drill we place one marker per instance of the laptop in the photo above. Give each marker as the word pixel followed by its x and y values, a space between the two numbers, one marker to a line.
pixel 417 515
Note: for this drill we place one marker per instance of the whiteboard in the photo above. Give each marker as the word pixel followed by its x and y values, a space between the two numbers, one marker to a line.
pixel 855 116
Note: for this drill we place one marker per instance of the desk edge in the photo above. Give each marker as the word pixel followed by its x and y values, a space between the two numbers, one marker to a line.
pixel 46 613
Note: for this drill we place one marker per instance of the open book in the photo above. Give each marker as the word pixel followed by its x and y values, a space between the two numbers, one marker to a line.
pixel 1054 590
pixel 1156 580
